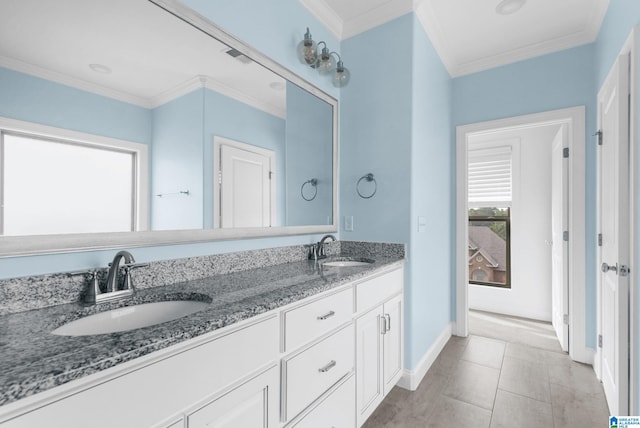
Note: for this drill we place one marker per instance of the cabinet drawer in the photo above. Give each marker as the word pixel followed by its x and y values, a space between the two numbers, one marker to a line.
pixel 337 410
pixel 309 374
pixel 305 323
pixel 251 405
pixel 374 291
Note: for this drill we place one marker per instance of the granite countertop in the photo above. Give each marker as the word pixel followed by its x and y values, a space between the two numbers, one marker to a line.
pixel 33 360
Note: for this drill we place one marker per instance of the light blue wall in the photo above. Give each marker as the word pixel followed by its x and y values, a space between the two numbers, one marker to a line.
pixel 36 100
pixel 396 123
pixel 229 118
pixel 375 125
pixel 618 23
pixel 309 155
pixel 177 163
pixel 558 80
pixel 430 300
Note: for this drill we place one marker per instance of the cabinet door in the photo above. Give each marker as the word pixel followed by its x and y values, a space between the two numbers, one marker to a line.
pixel 368 363
pixel 336 411
pixel 392 343
pixel 254 404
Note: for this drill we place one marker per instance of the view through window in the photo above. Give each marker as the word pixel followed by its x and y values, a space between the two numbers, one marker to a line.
pixel 52 186
pixel 489 247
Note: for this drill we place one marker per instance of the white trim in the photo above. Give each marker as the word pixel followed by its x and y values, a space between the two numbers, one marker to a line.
pixel 140 150
pixel 74 82
pixel 633 229
pixel 326 15
pixel 522 53
pixel 575 119
pixel 411 378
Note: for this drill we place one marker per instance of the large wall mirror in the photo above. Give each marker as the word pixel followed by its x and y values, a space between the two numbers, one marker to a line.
pixel 139 122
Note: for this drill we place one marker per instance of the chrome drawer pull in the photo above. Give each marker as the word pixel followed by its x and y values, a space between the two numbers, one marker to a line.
pixel 328 367
pixel 326 316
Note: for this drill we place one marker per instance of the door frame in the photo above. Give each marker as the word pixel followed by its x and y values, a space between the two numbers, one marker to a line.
pixel 220 141
pixel 574 119
pixel 629 48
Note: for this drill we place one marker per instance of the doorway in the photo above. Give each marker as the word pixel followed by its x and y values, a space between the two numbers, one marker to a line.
pixel 243 184
pixel 572 122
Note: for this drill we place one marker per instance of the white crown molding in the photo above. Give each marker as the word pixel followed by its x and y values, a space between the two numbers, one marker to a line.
pixel 210 83
pixel 427 17
pixel 326 15
pixel 384 13
pixel 520 54
pixel 163 98
pixel 42 73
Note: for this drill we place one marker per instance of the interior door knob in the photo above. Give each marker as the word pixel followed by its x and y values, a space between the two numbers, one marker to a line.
pixel 606 268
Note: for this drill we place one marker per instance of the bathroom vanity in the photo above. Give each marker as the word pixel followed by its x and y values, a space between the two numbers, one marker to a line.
pixel 297 344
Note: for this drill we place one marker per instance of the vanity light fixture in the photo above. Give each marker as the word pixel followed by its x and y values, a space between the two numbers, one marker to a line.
pixel 508 7
pixel 324 62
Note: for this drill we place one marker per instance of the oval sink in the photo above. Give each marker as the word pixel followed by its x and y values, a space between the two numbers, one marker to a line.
pixel 130 317
pixel 348 263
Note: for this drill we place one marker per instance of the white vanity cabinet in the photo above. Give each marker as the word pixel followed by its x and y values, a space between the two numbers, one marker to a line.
pixel 379 340
pixel 214 373
pixel 325 361
pixel 318 340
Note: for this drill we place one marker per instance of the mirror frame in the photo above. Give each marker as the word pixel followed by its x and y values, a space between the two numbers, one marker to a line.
pixel 12 246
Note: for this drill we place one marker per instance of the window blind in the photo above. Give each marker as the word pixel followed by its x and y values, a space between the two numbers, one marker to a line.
pixel 489 177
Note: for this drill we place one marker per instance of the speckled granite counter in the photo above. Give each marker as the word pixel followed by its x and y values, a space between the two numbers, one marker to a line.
pixel 33 360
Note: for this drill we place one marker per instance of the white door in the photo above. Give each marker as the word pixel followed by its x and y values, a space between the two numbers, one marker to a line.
pixel 613 212
pixel 559 247
pixel 245 186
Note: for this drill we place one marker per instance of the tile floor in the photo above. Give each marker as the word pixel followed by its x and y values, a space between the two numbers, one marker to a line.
pixel 509 372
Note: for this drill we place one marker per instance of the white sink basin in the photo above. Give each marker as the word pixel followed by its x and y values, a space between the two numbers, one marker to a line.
pixel 347 263
pixel 130 317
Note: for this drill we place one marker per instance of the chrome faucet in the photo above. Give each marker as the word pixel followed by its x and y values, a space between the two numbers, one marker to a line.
pixel 111 290
pixel 320 246
pixel 114 268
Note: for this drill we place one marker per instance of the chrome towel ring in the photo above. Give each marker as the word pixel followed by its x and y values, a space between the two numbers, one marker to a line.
pixel 314 183
pixel 369 178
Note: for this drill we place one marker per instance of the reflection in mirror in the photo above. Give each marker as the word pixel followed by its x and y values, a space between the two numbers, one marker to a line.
pixel 105 75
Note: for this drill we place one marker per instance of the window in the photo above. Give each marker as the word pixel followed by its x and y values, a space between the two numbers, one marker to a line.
pixel 52 185
pixel 489 247
pixel 490 195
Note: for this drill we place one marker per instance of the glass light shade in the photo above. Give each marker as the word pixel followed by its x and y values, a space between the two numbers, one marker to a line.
pixel 307 50
pixel 341 76
pixel 326 62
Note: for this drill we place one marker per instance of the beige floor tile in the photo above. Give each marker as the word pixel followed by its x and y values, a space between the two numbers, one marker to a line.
pixel 488 352
pixel 512 410
pixel 526 378
pixel 524 352
pixel 474 384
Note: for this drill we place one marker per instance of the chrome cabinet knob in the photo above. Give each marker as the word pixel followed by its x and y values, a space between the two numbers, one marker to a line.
pixel 606 268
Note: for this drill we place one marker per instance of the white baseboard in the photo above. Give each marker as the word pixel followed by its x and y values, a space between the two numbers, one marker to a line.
pixel 411 378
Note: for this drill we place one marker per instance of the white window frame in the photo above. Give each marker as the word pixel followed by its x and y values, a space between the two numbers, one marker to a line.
pixel 140 151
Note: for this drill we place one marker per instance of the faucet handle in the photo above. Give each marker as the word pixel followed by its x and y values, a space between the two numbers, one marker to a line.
pixel 313 252
pixel 93 290
pixel 128 267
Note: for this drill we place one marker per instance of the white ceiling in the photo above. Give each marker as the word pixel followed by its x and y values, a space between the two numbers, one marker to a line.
pixel 154 56
pixel 468 34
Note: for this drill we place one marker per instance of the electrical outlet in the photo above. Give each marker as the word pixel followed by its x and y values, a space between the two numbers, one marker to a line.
pixel 348 223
